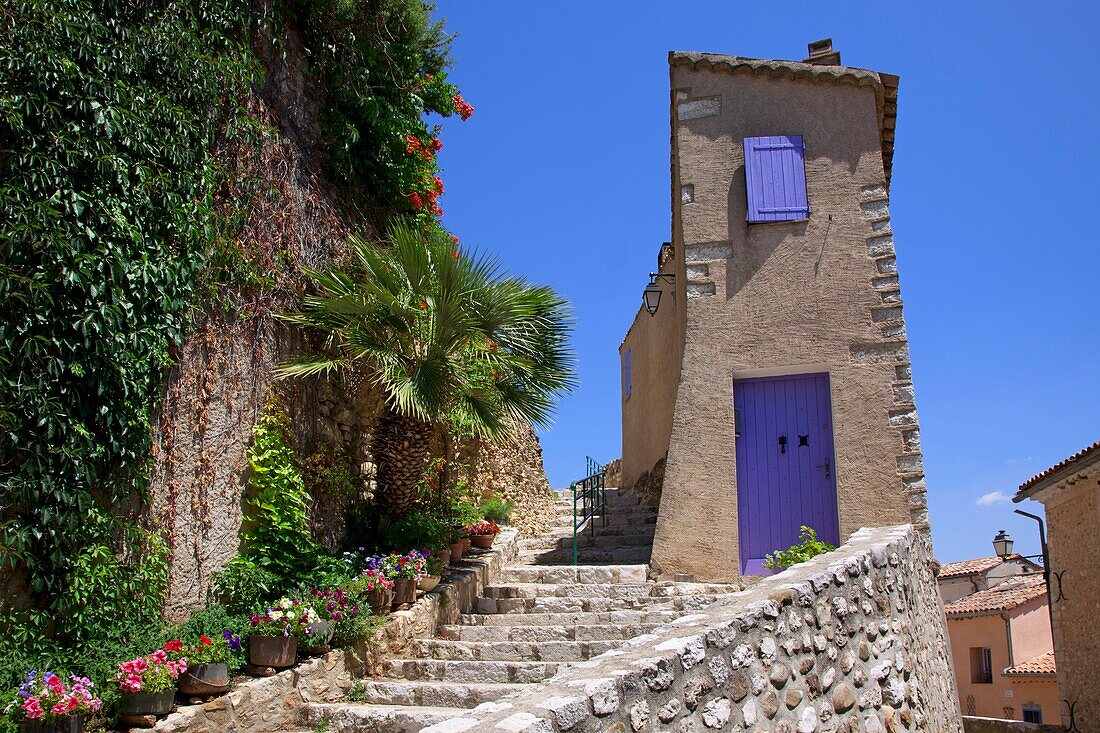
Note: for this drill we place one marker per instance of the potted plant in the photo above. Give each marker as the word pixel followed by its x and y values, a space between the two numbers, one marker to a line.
pixel 482 534
pixel 334 607
pixel 457 545
pixel 275 634
pixel 496 509
pixel 148 684
pixel 404 571
pixel 208 659
pixel 378 589
pixel 431 574
pixel 47 703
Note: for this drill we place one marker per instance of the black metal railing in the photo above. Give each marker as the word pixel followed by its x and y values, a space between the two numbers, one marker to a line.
pixel 588 501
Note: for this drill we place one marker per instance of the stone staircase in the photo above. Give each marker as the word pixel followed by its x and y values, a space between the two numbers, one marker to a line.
pixel 540 617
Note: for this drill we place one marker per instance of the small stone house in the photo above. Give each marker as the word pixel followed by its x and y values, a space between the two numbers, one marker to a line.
pixel 773 379
pixel 1070 494
pixel 958 579
pixel 1002 651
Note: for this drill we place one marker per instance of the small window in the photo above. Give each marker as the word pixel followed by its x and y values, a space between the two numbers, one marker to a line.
pixel 775 178
pixel 1033 713
pixel 981 665
pixel 627 386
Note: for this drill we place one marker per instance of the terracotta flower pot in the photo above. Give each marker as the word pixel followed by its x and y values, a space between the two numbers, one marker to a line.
pixel 484 541
pixel 71 724
pixel 380 600
pixel 456 551
pixel 444 556
pixel 322 632
pixel 205 679
pixel 272 651
pixel 404 591
pixel 465 544
pixel 428 583
pixel 144 703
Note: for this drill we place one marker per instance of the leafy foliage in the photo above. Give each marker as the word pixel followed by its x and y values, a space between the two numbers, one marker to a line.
pixel 108 117
pixel 382 65
pixel 809 547
pixel 496 508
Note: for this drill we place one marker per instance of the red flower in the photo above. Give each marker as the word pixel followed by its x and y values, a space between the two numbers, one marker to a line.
pixel 437 144
pixel 174 646
pixel 439 184
pixel 462 107
pixel 206 641
pixel 435 208
pixel 423 305
pixel 415 200
pixel 454 254
pixel 413 144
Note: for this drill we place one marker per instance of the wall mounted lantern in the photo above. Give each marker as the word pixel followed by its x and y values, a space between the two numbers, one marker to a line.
pixel 651 296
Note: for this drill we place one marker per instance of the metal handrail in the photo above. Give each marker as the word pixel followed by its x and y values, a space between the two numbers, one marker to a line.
pixel 592 501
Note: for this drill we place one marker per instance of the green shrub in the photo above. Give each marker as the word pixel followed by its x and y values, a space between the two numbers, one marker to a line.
pixel 809 547
pixel 496 509
pixel 421 529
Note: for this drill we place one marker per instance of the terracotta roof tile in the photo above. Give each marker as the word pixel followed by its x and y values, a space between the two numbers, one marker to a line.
pixel 1043 664
pixel 970 567
pixel 1037 478
pixel 1001 597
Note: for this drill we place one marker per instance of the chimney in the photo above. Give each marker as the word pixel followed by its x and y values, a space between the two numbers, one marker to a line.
pixel 822 53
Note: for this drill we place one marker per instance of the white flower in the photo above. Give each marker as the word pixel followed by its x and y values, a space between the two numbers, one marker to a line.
pixel 285 603
pixel 290 614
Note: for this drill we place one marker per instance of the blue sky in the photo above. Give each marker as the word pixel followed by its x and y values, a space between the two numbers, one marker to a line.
pixel 563 170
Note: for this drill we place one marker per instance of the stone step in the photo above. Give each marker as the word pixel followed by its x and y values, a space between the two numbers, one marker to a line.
pixel 599 632
pixel 512 651
pixel 491 606
pixel 626 555
pixel 366 718
pixel 450 670
pixel 624 591
pixel 600 540
pixel 436 694
pixel 578 618
pixel 575 574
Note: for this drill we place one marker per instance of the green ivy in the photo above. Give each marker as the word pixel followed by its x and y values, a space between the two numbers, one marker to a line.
pixel 808 547
pixel 109 113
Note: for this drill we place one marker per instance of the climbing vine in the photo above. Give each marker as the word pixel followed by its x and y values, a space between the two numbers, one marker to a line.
pixel 109 112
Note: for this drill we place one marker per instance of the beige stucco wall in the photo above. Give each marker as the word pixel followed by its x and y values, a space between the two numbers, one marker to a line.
pixel 793 297
pixel 654 343
pixel 1030 638
pixel 1073 515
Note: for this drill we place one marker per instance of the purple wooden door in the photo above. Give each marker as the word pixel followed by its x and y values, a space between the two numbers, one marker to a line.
pixel 786 473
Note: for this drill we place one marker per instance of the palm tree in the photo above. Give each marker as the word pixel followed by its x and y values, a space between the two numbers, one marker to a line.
pixel 447 337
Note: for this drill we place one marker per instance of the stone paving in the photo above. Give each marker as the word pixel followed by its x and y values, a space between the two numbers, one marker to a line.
pixel 542 617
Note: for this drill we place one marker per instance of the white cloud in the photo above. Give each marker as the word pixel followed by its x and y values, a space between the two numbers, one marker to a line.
pixel 993 497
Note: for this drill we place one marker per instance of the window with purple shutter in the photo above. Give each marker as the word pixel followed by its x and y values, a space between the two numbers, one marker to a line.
pixel 775 178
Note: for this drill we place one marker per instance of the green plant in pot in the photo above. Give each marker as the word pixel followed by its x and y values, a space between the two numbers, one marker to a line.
pixel 208 661
pixel 337 609
pixel 497 509
pixel 431 574
pixel 49 703
pixel 148 683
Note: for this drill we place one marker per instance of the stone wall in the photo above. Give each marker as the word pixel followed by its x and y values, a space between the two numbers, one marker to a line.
pixel 513 468
pixel 851 642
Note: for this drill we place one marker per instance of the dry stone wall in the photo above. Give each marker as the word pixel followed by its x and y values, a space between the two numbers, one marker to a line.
pixel 514 470
pixel 852 641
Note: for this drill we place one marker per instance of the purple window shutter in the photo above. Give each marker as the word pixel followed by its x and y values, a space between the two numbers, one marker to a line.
pixel 775 178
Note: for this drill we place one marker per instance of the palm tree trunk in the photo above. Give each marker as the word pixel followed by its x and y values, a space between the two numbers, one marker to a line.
pixel 403 452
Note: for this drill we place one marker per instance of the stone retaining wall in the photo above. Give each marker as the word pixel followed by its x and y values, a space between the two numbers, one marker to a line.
pixel 272 703
pixel 854 640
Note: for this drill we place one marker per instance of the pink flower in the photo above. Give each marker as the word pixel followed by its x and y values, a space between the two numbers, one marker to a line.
pixel 33 708
pixel 159 656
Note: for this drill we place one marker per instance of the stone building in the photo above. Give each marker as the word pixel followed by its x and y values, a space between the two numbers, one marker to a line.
pixel 774 377
pixel 1002 650
pixel 958 579
pixel 1070 494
